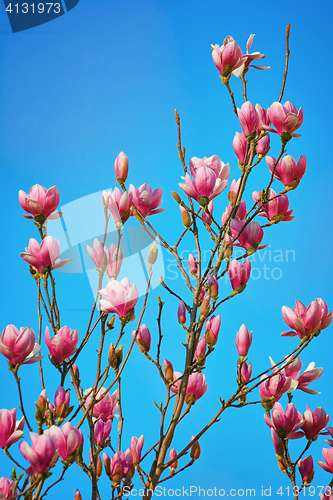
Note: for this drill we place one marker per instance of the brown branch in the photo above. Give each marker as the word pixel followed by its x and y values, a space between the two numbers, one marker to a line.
pixel 287 62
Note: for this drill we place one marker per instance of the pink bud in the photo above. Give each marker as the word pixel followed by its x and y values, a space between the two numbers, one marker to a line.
pixel 196 386
pixel 192 264
pixel 201 348
pixel 285 118
pixel 97 253
pixel 248 118
pixel 246 371
pixel 168 370
pixel 305 467
pixel 205 216
pixel 61 396
pixel 77 495
pixel 240 147
pixel 263 145
pixel 227 57
pixel 173 455
pixel 250 238
pixel 136 449
pixel 212 327
pixel 114 261
pixel 274 386
pixel 213 286
pixel 182 313
pixel 239 274
pixel 63 344
pixel 243 341
pixel 121 167
pixel 143 338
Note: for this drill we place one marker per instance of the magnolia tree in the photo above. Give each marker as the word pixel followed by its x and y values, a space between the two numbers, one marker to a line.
pixel 77 433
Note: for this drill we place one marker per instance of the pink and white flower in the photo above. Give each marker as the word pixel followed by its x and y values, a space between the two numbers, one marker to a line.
pixel 44 254
pixel 40 201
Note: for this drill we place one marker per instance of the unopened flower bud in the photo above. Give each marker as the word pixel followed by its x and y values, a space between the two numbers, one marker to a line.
pixel 121 167
pixel 168 370
pixel 204 309
pixel 195 450
pixel 176 196
pixel 186 218
pixel 77 495
pixel 76 373
pixel 110 323
pixel 232 196
pixel 153 254
pixel 172 455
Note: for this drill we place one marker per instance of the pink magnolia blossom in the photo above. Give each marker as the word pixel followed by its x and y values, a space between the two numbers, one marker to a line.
pixel 42 454
pixel 61 403
pixel 143 338
pixel 306 320
pixel 305 468
pixel 239 274
pixel 243 340
pixel 119 465
pixel 285 118
pixel 277 209
pixel 146 200
pixel 245 371
pixel 7 489
pixel 168 370
pixel 136 449
pixel 227 57
pixel 68 440
pixel 248 118
pixel 201 348
pixel 106 407
pixel 287 170
pixel 10 429
pixel 314 422
pixel 209 179
pixel 63 344
pixel 248 58
pixel 102 431
pixel 240 147
pixel 250 237
pixel 192 264
pixel 97 254
pixel 274 387
pixel 119 205
pixel 181 313
pixel 212 327
pixel 40 201
pixel 19 347
pixel 196 386
pixel 302 381
pixel 121 166
pixel 328 457
pixel 44 254
pixel 120 298
pixel 172 455
pixel 114 260
pixel 286 423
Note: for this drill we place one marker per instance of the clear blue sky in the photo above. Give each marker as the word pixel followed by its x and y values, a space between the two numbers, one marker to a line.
pixel 107 77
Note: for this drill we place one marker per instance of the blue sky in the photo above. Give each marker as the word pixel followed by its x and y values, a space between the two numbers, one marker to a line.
pixel 107 77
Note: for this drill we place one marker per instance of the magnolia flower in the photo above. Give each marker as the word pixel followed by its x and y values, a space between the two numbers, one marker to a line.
pixel 68 440
pixel 120 298
pixel 106 407
pixel 44 254
pixel 275 210
pixel 19 346
pixel 40 201
pixel 62 344
pixel 196 386
pixel 42 454
pixel 146 200
pixel 306 320
pixel 286 423
pixel 285 118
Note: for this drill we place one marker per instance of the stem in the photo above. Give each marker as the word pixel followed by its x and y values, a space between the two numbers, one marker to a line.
pixel 21 400
pixel 287 61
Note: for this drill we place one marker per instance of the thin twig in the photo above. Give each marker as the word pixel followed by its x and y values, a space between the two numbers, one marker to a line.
pixel 287 62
